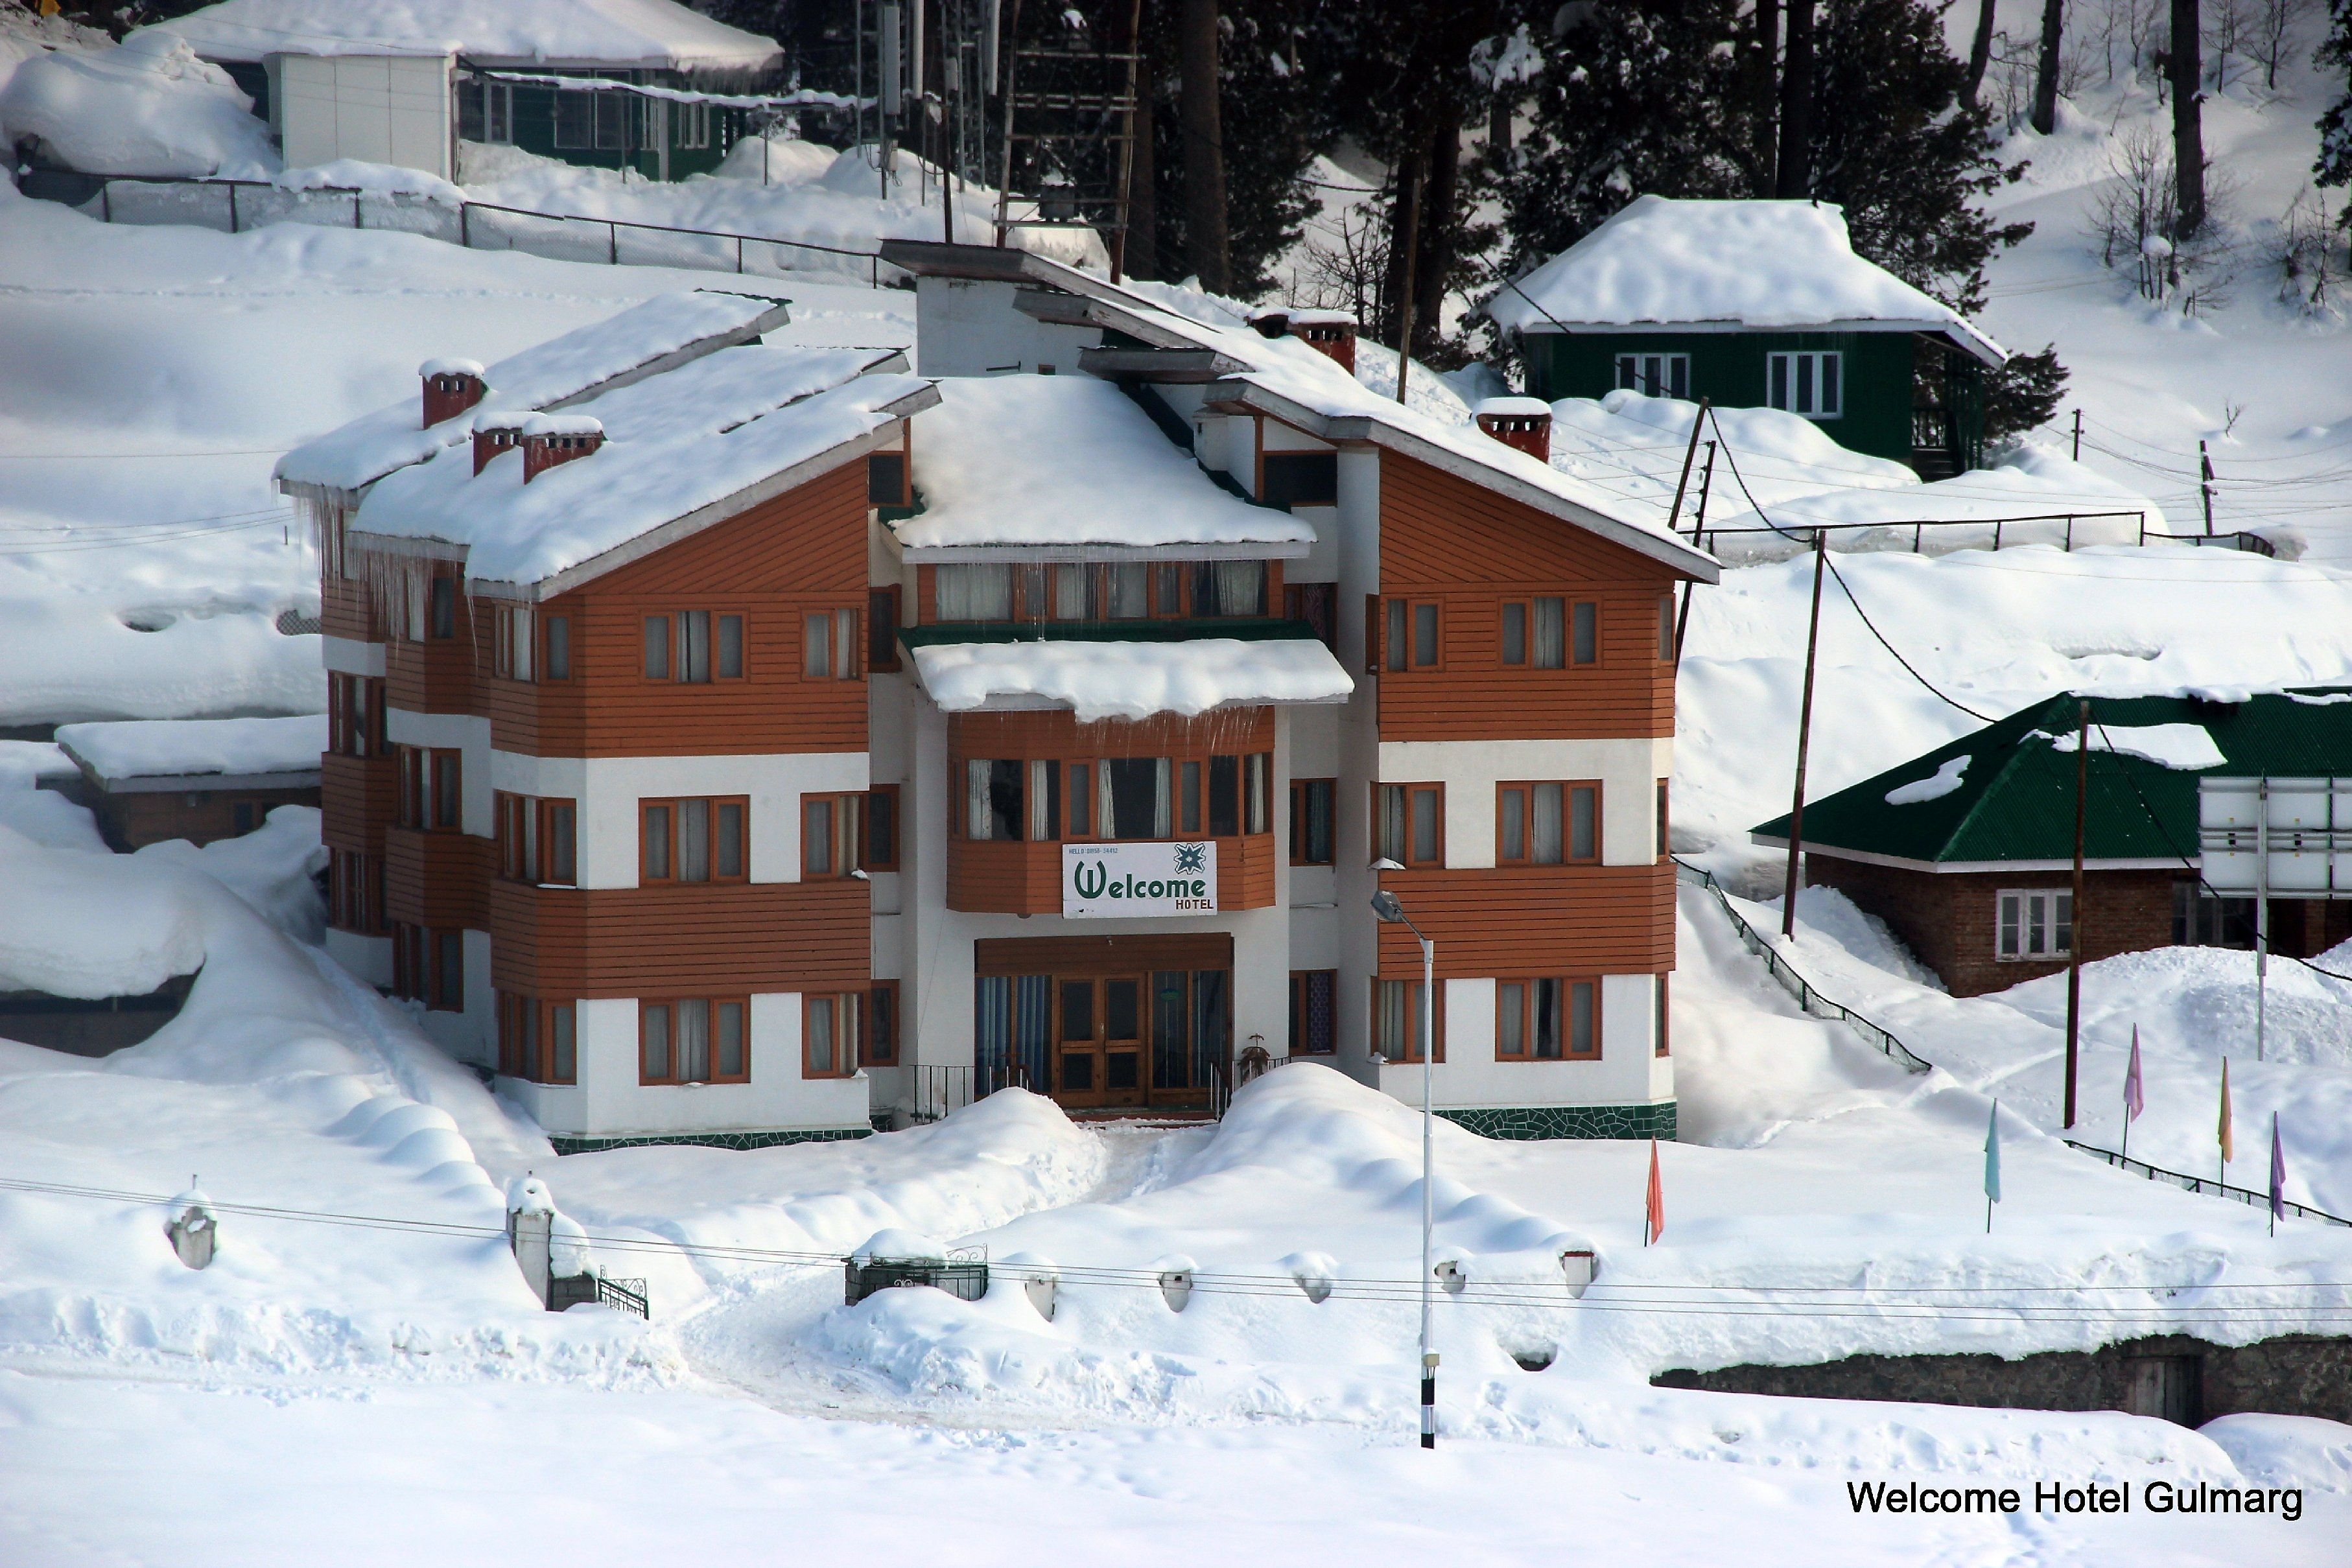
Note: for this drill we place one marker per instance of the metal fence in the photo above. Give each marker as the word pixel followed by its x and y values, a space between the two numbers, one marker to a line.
pixel 1795 984
pixel 2208 1185
pixel 2042 527
pixel 232 206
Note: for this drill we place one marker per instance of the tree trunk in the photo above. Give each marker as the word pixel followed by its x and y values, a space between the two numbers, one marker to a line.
pixel 1440 229
pixel 1979 54
pixel 1139 248
pixel 1204 157
pixel 1499 126
pixel 1398 281
pixel 1764 66
pixel 2045 75
pixel 1796 176
pixel 2188 121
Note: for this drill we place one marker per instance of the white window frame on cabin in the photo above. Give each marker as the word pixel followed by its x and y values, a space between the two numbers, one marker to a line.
pixel 2025 917
pixel 1654 375
pixel 1791 380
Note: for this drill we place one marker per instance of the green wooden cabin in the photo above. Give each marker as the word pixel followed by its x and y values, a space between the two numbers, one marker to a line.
pixel 1755 305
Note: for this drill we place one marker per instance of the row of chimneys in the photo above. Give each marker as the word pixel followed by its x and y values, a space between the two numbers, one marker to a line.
pixel 1524 422
pixel 454 386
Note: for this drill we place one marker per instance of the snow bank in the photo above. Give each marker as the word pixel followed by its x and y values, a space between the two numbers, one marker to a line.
pixel 2184 748
pixel 1660 261
pixel 1067 460
pixel 173 748
pixel 1131 680
pixel 147 107
pixel 2286 1450
pixel 654 34
pixel 274 868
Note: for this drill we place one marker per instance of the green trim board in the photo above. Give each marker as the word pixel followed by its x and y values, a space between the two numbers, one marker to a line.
pixel 747 1140
pixel 2015 797
pixel 1656 1120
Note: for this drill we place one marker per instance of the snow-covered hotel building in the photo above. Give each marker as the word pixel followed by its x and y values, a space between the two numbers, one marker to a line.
pixel 739 743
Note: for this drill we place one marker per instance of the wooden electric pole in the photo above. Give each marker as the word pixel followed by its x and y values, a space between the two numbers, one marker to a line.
pixel 2074 934
pixel 1804 740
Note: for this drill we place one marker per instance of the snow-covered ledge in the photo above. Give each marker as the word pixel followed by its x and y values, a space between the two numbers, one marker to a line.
pixel 1104 680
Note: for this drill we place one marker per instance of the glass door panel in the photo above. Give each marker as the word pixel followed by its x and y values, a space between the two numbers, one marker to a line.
pixel 1122 1015
pixel 1079 1053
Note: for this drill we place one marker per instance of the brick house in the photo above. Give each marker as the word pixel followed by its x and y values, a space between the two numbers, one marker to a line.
pixel 1966 851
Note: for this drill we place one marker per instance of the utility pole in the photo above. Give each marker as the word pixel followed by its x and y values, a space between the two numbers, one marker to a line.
pixel 2074 936
pixel 1796 176
pixel 2045 75
pixel 2188 121
pixel 1204 154
pixel 1674 517
pixel 1804 739
pixel 2261 908
pixel 1698 535
pixel 2205 486
pixel 2078 435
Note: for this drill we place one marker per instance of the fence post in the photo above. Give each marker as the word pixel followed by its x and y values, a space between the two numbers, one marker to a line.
pixel 465 225
pixel 612 244
pixel 359 219
pixel 2070 533
pixel 738 255
pixel 232 206
pixel 1919 531
pixel 106 201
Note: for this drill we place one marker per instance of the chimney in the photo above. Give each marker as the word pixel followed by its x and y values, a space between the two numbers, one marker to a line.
pixel 491 437
pixel 549 439
pixel 451 387
pixel 1331 332
pixel 1521 422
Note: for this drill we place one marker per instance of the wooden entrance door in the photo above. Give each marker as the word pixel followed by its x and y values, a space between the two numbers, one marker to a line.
pixel 1098 1040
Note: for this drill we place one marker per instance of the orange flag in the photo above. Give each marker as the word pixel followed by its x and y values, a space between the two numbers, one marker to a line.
pixel 1657 1203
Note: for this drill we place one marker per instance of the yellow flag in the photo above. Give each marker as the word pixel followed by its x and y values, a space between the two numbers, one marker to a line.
pixel 2228 1152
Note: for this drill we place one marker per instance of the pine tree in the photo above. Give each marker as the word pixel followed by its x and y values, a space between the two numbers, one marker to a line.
pixel 2334 164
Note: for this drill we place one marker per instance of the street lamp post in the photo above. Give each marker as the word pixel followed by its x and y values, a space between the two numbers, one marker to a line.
pixel 1387 908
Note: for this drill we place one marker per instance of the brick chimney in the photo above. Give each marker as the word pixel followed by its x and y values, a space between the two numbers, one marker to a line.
pixel 549 439
pixel 1331 332
pixel 1521 422
pixel 451 387
pixel 490 438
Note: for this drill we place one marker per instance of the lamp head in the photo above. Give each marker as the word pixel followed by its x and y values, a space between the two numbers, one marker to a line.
pixel 1384 863
pixel 1385 905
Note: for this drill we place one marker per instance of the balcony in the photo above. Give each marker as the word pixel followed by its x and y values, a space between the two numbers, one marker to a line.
pixel 432 676
pixel 361 797
pixel 435 878
pixel 997 876
pixel 708 939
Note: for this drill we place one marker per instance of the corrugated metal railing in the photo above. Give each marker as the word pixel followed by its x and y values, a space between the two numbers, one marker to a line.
pixel 2208 1185
pixel 1795 984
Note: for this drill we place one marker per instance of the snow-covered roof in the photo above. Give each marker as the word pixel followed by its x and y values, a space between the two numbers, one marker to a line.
pixel 675 444
pixel 655 34
pixel 1068 460
pixel 184 748
pixel 563 369
pixel 1661 262
pixel 1105 680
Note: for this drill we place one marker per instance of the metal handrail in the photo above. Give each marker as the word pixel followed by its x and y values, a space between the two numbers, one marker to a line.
pixel 1796 984
pixel 625 1295
pixel 2208 1185
pixel 2242 541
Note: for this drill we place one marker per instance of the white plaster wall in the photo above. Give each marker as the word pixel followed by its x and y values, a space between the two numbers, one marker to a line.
pixel 460 732
pixel 608 788
pixel 1355 537
pixel 346 656
pixel 1628 771
pixel 609 1102
pixel 1628 1073
pixel 968 327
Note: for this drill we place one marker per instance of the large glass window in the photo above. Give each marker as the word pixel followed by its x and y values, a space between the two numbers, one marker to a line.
pixel 1654 375
pixel 1806 383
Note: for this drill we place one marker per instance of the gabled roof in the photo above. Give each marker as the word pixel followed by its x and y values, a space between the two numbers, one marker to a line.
pixel 644 340
pixel 2005 794
pixel 1292 382
pixel 648 34
pixel 1661 262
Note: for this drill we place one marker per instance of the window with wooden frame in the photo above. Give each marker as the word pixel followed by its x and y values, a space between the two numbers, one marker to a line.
pixel 1317 604
pixel 432 786
pixel 1314 1013
pixel 1229 588
pixel 1664 845
pixel 880 849
pixel 538 1039
pixel 694 839
pixel 1547 1018
pixel 441 608
pixel 513 643
pixel 1292 479
pixel 1660 1035
pixel 355 715
pixel 973 591
pixel 694 1040
pixel 1167 590
pixel 1312 804
pixel 882 607
pixel 355 891
pixel 694 647
pixel 829 647
pixel 880 1046
pixel 1535 634
pixel 1666 629
pixel 887 480
pixel 1546 823
pixel 2033 925
pixel 994 794
pixel 1397 1020
pixel 1411 635
pixel 1584 632
pixel 832 835
pixel 832 1027
pixel 537 840
pixel 1409 823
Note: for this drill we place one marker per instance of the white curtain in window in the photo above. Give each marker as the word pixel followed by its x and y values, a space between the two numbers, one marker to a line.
pixel 1161 815
pixel 1547 824
pixel 1128 598
pixel 821 1041
pixel 1040 801
pixel 694 840
pixel 1241 588
pixel 1552 634
pixel 694 1040
pixel 975 592
pixel 1069 593
pixel 977 815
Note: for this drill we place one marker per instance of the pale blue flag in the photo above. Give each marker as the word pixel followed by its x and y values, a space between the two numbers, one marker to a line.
pixel 1992 1154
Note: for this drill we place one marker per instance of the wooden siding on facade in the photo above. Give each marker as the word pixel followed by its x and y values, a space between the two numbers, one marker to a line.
pixel 360 797
pixel 1535 920
pixel 700 940
pixel 435 675
pixel 435 878
pixel 1447 540
pixel 347 610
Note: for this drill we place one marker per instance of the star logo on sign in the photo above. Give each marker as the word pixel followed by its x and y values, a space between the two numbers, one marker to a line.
pixel 1191 857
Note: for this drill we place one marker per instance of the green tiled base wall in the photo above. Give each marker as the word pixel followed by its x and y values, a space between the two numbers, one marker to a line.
pixel 1568 1121
pixel 564 1146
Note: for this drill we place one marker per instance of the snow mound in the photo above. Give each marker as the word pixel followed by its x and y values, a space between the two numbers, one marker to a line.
pixel 895 1241
pixel 146 107
pixel 2286 1450
pixel 83 926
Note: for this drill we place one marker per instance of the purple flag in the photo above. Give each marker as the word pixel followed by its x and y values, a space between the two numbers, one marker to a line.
pixel 2134 1099
pixel 2278 1172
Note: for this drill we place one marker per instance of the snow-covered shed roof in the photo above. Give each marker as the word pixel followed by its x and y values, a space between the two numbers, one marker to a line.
pixel 2005 794
pixel 643 339
pixel 1665 263
pixel 169 751
pixel 1103 680
pixel 1297 384
pixel 688 447
pixel 646 34
pixel 1069 461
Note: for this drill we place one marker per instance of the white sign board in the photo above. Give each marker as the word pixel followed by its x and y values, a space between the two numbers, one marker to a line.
pixel 1128 880
pixel 2291 838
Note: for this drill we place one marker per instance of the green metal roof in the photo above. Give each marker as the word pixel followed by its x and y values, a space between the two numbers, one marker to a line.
pixel 2016 799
